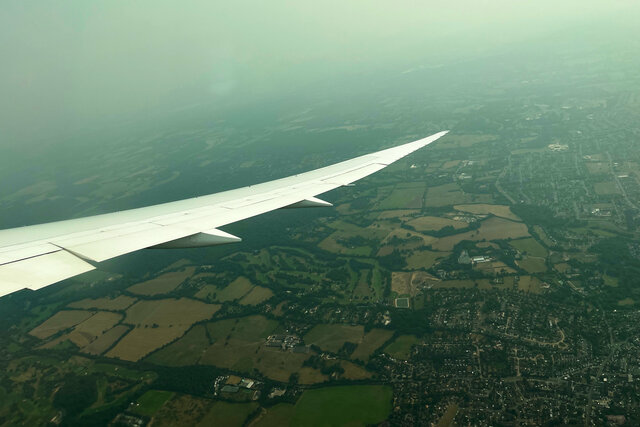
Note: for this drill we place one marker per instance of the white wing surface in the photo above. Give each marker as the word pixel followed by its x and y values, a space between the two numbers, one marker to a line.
pixel 39 255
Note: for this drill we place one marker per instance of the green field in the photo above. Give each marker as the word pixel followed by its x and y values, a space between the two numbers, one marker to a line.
pixel 228 414
pixel 186 351
pixel 406 196
pixel 373 340
pixel 332 406
pixel 529 246
pixel 333 337
pixel 150 402
pixel 346 405
pixel 400 348
pixel 276 416
pixel 532 265
pixel 606 187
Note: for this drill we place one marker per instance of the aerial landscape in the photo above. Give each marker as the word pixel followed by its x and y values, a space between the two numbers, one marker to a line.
pixel 490 278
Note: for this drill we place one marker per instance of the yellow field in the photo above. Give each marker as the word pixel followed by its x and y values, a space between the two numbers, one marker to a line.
pixel 484 209
pixel 59 322
pixel 370 343
pixel 256 296
pixel 434 223
pixel 105 341
pixel 118 303
pixel 169 312
pixel 87 331
pixel 162 284
pixel 158 323
pixel 401 282
pixel 331 337
pixel 143 340
pixel 491 229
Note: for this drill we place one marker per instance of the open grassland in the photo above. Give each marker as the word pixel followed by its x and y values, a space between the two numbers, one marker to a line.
pixel 434 223
pixel 397 213
pixel 444 195
pixel 358 405
pixel 256 296
pixel 105 341
pixel 151 402
pixel 597 168
pixel 143 340
pixel 362 289
pixel 169 312
pixel 495 268
pixel 626 302
pixel 158 323
pixel 449 415
pixel 186 351
pixel 463 141
pixel 532 264
pixel 424 259
pixel 119 303
pixel 239 345
pixel 350 239
pixel 60 321
pixel 279 365
pixel 331 337
pixel 228 414
pixel 279 415
pixel 183 410
pixel 373 340
pixel 401 282
pixel 483 284
pixel 408 283
pixel 86 332
pixel 400 348
pixel 490 229
pixel 404 196
pixel 606 188
pixel 530 284
pixel 354 372
pixel 485 209
pixel 162 284
pixel 530 247
pixel 452 194
pixel 233 291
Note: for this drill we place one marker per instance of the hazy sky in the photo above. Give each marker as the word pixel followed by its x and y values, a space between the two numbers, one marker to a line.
pixel 69 64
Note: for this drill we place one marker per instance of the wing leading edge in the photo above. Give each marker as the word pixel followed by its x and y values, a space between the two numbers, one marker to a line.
pixel 39 255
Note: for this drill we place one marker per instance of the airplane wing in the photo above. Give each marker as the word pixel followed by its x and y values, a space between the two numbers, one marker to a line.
pixel 39 255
